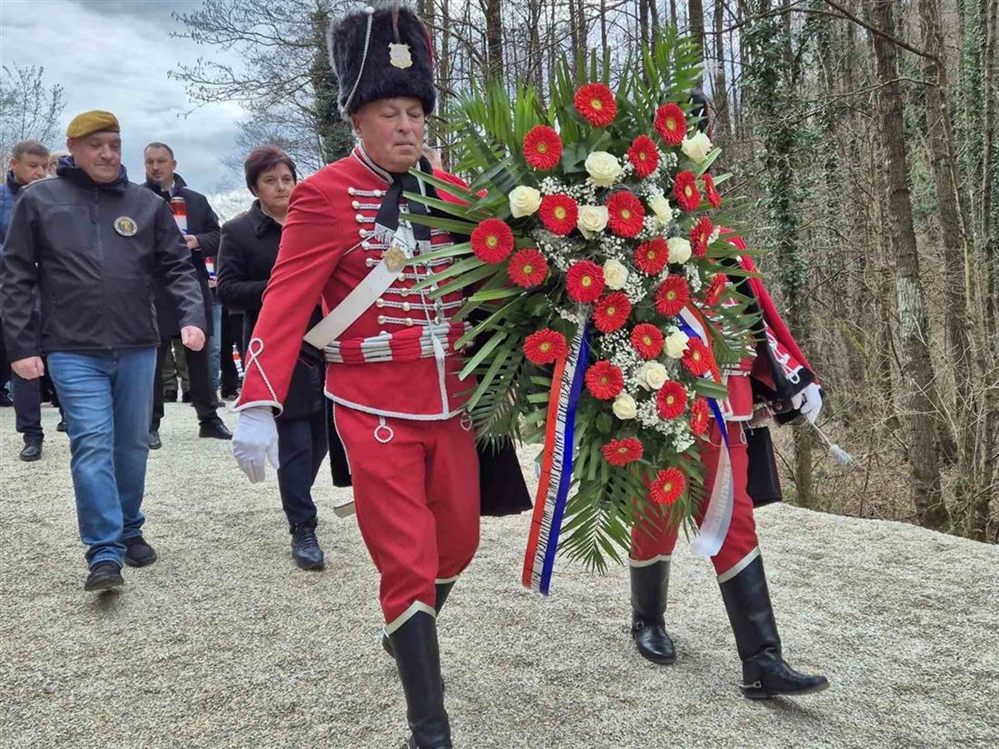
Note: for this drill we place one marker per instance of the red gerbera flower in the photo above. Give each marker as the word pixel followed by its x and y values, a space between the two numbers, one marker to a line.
pixel 623 452
pixel 545 346
pixel 559 213
pixel 604 381
pixel 585 282
pixel 492 241
pixel 625 214
pixel 700 235
pixel 595 103
pixel 710 192
pixel 527 268
pixel 643 155
pixel 672 296
pixel 647 340
pixel 685 191
pixel 542 148
pixel 668 486
pixel 700 417
pixel 671 124
pixel 671 400
pixel 697 358
pixel 652 256
pixel 611 312
pixel 715 289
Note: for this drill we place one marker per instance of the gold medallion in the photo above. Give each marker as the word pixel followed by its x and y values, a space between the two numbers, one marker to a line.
pixel 395 259
pixel 125 226
pixel 400 56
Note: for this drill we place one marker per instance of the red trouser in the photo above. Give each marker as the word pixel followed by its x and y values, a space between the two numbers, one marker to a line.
pixel 651 540
pixel 416 493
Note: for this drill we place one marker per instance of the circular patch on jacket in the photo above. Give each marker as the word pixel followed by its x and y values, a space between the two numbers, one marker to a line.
pixel 125 226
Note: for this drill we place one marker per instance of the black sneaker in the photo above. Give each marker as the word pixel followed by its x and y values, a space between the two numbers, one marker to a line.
pixel 214 429
pixel 305 548
pixel 104 576
pixel 170 396
pixel 154 440
pixel 5 401
pixel 138 553
pixel 62 426
pixel 32 450
pixel 187 397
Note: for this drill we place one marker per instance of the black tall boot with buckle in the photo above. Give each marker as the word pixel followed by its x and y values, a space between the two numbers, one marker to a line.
pixel 418 659
pixel 649 584
pixel 442 592
pixel 765 674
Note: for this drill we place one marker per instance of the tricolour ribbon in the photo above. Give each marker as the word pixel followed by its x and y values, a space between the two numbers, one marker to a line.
pixel 718 516
pixel 556 465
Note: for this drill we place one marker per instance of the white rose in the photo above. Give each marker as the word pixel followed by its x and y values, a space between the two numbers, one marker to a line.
pixel 615 275
pixel 679 250
pixel 675 343
pixel 524 201
pixel 625 407
pixel 661 207
pixel 652 375
pixel 592 220
pixel 603 168
pixel 697 147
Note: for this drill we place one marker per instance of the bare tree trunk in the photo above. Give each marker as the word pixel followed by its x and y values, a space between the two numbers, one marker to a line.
pixel 957 253
pixel 695 17
pixel 917 367
pixel 493 10
pixel 722 128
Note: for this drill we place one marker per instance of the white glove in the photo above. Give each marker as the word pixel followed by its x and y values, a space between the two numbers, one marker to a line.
pixel 255 442
pixel 808 402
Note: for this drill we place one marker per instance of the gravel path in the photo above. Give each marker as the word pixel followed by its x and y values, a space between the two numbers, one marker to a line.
pixel 223 643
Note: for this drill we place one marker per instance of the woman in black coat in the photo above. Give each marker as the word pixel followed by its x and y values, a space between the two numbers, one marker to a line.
pixel 247 254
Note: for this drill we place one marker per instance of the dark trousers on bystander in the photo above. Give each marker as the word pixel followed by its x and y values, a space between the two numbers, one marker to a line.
pixel 302 445
pixel 202 395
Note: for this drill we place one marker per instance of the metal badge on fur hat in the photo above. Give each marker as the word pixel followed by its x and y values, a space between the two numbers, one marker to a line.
pixel 381 53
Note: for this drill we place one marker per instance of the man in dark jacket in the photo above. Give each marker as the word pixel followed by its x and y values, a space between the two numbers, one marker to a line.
pixel 94 246
pixel 28 163
pixel 201 231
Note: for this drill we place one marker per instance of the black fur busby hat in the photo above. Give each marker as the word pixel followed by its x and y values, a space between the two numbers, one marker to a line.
pixel 380 53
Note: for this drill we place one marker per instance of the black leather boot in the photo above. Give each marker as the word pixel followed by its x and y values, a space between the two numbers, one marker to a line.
pixel 418 659
pixel 649 584
pixel 442 592
pixel 764 672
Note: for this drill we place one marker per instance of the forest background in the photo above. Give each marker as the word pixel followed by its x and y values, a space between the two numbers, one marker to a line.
pixel 861 135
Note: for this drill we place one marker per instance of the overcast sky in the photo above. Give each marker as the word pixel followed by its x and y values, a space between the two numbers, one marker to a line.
pixel 114 55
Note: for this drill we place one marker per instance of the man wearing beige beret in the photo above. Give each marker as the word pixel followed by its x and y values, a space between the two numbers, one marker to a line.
pixel 93 246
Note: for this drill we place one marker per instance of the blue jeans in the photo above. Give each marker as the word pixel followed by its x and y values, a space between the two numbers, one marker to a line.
pixel 215 346
pixel 107 397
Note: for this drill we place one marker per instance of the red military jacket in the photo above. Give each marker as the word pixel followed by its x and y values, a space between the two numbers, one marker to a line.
pixel 398 359
pixel 783 372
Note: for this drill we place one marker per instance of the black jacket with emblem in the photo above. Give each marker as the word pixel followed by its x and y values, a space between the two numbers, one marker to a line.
pixel 96 253
pixel 203 224
pixel 246 257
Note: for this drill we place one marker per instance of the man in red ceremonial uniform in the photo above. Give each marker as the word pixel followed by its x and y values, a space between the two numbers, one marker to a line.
pixel 777 378
pixel 392 364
